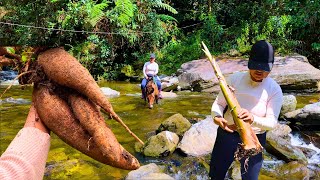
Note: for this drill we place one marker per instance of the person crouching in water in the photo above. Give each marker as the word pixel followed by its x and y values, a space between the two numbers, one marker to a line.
pixel 150 69
pixel 260 98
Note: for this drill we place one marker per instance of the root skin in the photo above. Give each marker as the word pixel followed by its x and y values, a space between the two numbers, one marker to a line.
pixel 59 118
pixel 92 120
pixel 65 70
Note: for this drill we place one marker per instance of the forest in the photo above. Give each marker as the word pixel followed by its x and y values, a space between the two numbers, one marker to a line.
pixel 113 39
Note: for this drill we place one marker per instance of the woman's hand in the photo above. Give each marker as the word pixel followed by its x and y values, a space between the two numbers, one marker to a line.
pixel 246 116
pixel 223 124
pixel 33 120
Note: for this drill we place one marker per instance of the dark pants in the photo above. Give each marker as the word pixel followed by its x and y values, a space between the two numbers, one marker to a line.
pixel 223 155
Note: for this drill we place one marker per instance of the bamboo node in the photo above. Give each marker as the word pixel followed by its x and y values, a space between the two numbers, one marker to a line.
pixel 232 109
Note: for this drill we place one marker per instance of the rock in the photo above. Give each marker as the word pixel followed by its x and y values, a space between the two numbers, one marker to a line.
pixel 175 123
pixel 186 80
pixel 282 148
pixel 149 171
pixel 292 170
pixel 169 83
pixel 307 151
pixel 308 115
pixel 295 73
pixel 159 176
pixel 64 169
pixel 138 147
pixel 281 130
pixel 169 95
pixel 110 92
pixel 236 170
pixel 289 104
pixel 314 170
pixel 293 114
pixel 292 73
pixel 200 138
pixel 161 144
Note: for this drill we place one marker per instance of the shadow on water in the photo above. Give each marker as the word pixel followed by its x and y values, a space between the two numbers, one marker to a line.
pixel 65 162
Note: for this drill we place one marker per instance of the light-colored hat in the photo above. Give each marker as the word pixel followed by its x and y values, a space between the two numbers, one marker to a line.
pixel 152 55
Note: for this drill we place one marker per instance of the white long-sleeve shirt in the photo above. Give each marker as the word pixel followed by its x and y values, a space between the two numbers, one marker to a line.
pixel 262 99
pixel 25 158
pixel 150 68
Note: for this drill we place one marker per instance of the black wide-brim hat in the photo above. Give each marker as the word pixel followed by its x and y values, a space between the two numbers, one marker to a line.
pixel 261 56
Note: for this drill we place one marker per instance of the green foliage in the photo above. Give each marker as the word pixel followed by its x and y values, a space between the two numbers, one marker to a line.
pixel 243 41
pixel 175 53
pixel 96 13
pixel 316 47
pixel 128 70
pixel 160 4
pixel 123 12
pixel 212 33
pixel 96 55
pixel 173 29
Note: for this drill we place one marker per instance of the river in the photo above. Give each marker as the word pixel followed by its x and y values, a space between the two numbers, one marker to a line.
pixel 65 162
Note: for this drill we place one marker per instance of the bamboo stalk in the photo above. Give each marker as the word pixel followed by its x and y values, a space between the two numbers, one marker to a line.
pixel 250 144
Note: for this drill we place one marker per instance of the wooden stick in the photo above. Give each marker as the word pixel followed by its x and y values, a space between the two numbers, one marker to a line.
pixel 118 119
pixel 13 82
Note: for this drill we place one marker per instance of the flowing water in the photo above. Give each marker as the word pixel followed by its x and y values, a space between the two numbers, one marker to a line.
pixel 65 162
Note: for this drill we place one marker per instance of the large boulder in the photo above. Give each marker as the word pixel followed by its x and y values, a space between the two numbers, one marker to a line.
pixel 281 130
pixel 169 83
pixel 278 143
pixel 308 115
pixel 198 75
pixel 149 171
pixel 296 73
pixel 161 144
pixel 200 138
pixel 175 123
pixel 292 170
pixel 292 73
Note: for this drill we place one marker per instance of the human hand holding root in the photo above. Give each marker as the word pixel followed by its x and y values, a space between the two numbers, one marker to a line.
pixel 33 120
pixel 67 99
pixel 68 102
pixel 223 124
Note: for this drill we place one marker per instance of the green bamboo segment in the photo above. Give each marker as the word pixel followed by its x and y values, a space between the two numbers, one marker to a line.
pixel 251 144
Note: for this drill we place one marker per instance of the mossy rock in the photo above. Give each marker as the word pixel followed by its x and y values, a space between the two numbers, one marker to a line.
pixel 176 123
pixel 162 144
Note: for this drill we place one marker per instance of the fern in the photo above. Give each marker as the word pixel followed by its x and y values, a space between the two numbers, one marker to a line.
pixel 125 11
pixel 96 13
pixel 160 4
pixel 166 18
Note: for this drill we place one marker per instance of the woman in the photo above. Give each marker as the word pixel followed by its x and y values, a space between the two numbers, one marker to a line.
pixel 260 98
pixel 150 69
pixel 25 157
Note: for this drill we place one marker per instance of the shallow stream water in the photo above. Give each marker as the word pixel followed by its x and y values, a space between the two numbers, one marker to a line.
pixel 65 162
